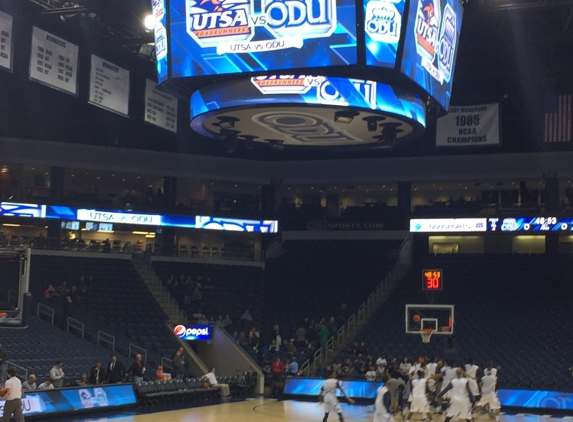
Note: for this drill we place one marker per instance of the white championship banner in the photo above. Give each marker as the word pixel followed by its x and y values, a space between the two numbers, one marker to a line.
pixel 6 44
pixel 54 61
pixel 469 126
pixel 160 108
pixel 109 86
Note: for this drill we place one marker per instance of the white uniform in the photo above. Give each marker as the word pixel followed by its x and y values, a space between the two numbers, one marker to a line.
pixel 460 405
pixel 380 412
pixel 330 401
pixel 471 370
pixel 431 370
pixel 488 393
pixel 419 401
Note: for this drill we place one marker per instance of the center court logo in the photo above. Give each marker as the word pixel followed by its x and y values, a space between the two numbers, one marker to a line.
pixel 197 332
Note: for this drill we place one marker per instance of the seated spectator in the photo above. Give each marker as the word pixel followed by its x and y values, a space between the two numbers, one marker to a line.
pixel 203 319
pixel 82 381
pixel 236 336
pixel 361 349
pixel 228 321
pixel 83 294
pixel 354 349
pixel 277 369
pixel 292 367
pixel 336 366
pixel 243 340
pixel 405 367
pixel 30 383
pixel 196 295
pixel 371 374
pixel 290 348
pixel 300 337
pixel 50 292
pixel 63 289
pixel 220 322
pixel 47 385
pixel 210 376
pixel 273 346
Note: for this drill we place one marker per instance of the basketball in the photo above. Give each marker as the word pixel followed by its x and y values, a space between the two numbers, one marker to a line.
pixel 205 385
pixel 416 318
pixel 3 392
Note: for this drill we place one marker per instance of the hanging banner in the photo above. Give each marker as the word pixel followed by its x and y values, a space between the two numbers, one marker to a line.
pixel 6 44
pixel 160 108
pixel 54 62
pixel 109 86
pixel 469 126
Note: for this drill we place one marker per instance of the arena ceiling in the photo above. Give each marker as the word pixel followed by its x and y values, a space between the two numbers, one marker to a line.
pixel 511 51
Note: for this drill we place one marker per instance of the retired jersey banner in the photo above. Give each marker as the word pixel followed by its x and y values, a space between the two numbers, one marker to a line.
pixel 109 86
pixel 6 41
pixel 54 61
pixel 469 126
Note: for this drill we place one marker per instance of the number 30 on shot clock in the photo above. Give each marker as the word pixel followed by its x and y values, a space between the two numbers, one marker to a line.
pixel 432 279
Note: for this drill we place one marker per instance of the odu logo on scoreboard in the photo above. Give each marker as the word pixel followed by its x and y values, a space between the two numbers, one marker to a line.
pixel 216 23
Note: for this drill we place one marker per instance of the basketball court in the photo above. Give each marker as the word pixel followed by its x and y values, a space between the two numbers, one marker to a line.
pixel 264 410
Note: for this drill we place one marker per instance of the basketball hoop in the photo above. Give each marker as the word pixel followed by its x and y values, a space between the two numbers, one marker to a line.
pixel 426 334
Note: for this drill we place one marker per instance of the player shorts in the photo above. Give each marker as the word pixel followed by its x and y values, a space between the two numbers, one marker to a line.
pixel 419 405
pixel 460 409
pixel 331 406
pixel 383 417
pixel 491 400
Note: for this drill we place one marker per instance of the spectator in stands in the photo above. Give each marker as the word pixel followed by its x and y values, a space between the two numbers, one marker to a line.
pixel 220 322
pixel 292 367
pixel 381 364
pixel 243 340
pixel 210 376
pixel 50 292
pixel 277 369
pixel 97 374
pixel 83 296
pixel 362 350
pixel 74 293
pixel 57 374
pixel 203 319
pixel 30 383
pixel 371 374
pixel 254 338
pixel 63 289
pixel 290 348
pixel 46 385
pixel 300 337
pixel 405 367
pixel 278 338
pixel 196 295
pixel 393 367
pixel 347 369
pixel 82 381
pixel 179 364
pixel 323 336
pixel 228 321
pixel 247 319
pixel 3 365
pixel 273 346
pixel 115 371
pixel 236 336
pixel 137 369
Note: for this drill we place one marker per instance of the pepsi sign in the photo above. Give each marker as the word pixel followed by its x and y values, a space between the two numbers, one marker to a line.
pixel 213 37
pixel 195 332
pixel 431 45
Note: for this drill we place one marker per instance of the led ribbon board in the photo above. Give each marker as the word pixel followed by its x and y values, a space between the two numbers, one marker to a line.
pixel 214 37
pixel 431 46
pixel 335 112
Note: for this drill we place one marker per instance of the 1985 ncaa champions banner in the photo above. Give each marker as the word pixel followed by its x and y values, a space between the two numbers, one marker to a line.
pixel 476 125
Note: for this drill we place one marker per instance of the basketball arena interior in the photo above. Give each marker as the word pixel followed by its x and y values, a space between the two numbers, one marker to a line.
pixel 279 189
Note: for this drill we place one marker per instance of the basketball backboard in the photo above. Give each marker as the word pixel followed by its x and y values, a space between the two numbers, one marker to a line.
pixel 439 318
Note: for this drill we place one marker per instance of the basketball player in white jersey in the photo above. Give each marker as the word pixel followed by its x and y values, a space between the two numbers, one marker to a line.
pixel 418 399
pixel 471 375
pixel 446 375
pixel 329 399
pixel 383 403
pixel 489 394
pixel 460 398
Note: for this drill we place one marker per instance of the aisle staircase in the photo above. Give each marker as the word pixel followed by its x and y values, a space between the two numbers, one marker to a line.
pixel 158 290
pixel 366 311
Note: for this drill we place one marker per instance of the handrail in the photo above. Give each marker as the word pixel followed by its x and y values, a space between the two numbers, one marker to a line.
pixel 104 337
pixel 138 350
pixel 75 324
pixel 18 368
pixel 367 308
pixel 42 309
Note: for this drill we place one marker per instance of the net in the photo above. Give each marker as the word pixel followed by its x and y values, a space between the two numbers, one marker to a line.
pixel 426 334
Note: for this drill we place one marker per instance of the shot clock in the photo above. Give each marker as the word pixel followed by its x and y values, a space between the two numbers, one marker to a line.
pixel 432 280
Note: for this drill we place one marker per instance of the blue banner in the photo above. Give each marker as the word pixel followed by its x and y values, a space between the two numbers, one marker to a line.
pixel 311 387
pixel 74 399
pixel 538 399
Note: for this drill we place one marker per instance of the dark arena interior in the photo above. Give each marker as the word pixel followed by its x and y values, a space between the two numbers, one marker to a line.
pixel 210 209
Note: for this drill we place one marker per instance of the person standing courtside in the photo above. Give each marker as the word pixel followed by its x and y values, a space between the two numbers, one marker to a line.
pixel 3 365
pixel 115 371
pixel 13 397
pixel 57 374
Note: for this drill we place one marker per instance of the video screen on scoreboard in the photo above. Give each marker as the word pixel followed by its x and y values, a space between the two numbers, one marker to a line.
pixel 382 31
pixel 431 46
pixel 214 37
